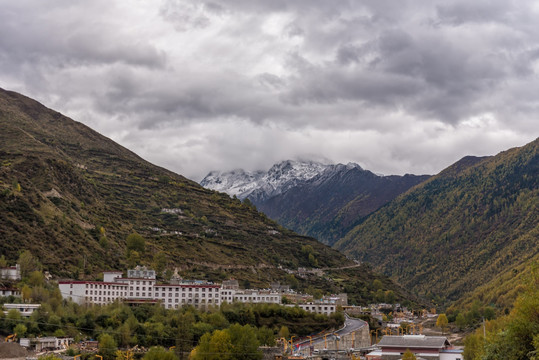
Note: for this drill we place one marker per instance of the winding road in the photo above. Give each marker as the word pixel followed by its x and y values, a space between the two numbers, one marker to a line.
pixel 350 325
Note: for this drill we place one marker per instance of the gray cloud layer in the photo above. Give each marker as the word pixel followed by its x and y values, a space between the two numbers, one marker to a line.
pixel 397 86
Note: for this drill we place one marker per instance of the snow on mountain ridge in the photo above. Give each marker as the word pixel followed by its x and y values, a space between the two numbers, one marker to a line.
pixel 261 185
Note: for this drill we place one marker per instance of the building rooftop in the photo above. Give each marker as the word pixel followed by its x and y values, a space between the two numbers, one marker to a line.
pixel 416 341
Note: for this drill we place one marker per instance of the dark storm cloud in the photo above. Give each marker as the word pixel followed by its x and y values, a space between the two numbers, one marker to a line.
pixel 219 78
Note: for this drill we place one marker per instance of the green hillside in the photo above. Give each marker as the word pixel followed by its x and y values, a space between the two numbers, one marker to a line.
pixel 458 230
pixel 72 196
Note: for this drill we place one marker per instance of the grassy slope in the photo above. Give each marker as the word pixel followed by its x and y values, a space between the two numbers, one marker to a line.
pixel 74 181
pixel 459 230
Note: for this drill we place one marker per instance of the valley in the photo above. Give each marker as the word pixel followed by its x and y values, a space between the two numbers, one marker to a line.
pixel 76 207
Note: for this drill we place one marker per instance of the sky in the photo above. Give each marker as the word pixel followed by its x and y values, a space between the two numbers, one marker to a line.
pixel 395 86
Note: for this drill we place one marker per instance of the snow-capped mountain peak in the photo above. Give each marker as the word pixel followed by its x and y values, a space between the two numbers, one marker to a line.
pixel 261 185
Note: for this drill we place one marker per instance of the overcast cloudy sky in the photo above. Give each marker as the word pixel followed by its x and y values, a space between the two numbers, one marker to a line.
pixel 396 86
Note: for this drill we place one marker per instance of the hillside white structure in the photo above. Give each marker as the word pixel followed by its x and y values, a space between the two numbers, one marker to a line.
pixel 46 343
pixel 140 286
pixel 324 309
pixel 9 291
pixel 25 309
pixel 12 273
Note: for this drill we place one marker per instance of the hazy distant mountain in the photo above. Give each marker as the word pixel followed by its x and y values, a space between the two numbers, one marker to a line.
pixel 324 201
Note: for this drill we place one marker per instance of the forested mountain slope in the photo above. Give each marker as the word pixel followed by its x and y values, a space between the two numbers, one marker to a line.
pixel 333 202
pixel 72 196
pixel 458 230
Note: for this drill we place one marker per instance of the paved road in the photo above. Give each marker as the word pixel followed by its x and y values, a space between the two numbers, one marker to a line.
pixel 350 325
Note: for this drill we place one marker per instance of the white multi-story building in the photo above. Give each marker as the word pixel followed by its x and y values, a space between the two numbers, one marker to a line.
pixel 140 287
pixel 250 296
pixel 324 309
pixel 11 273
pixel 25 309
pixel 93 292
pixel 195 293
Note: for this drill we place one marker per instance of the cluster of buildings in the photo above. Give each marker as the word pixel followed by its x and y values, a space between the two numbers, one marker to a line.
pixel 141 286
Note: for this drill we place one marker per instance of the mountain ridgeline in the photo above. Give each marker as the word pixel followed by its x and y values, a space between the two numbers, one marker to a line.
pixel 72 196
pixel 322 201
pixel 475 223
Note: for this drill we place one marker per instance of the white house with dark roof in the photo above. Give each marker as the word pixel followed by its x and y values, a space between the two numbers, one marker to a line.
pixel 392 347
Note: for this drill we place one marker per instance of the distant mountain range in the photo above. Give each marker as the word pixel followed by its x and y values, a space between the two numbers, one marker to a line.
pixel 314 199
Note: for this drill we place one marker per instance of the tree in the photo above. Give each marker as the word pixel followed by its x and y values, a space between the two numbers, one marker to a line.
pixel 133 258
pixel 377 284
pixel 159 262
pixel 244 342
pixel 36 278
pixel 312 260
pixel 3 262
pixel 28 263
pixel 390 296
pixel 284 332
pixel 20 330
pixel 13 317
pixel 107 346
pixel 159 353
pixel 26 293
pixel 220 345
pixel 136 242
pixel 442 322
pixel 408 355
pixel 184 335
pixel 265 336
pixel 460 321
